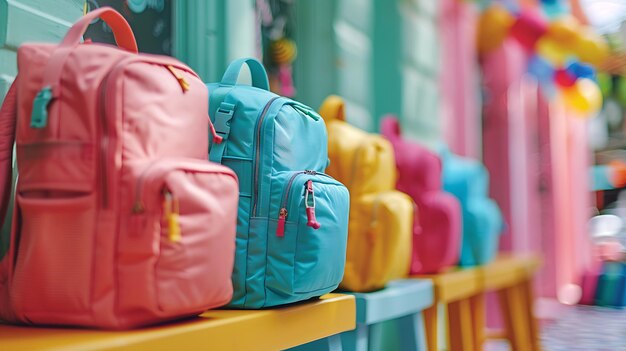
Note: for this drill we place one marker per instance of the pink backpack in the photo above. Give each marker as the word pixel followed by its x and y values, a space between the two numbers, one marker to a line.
pixel 119 220
pixel 436 241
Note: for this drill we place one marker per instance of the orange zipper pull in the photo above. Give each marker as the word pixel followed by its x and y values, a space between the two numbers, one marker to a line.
pixel 183 83
pixel 171 211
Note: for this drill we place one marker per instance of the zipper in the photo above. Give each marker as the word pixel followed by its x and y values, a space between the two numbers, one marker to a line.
pixel 258 152
pixel 190 166
pixel 282 213
pixel 138 205
pixel 104 142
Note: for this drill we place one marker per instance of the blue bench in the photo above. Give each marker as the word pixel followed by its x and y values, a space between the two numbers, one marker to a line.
pixel 401 302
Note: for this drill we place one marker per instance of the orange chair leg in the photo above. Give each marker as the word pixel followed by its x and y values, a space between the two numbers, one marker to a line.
pixel 431 321
pixel 533 327
pixel 512 305
pixel 460 329
pixel 478 320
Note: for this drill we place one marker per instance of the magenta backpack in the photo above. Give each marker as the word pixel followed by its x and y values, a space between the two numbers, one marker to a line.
pixel 436 240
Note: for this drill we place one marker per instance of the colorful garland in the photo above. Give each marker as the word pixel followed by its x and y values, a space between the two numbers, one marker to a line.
pixel 563 54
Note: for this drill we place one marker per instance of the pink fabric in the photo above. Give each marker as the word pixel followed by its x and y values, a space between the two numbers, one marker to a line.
pixel 436 240
pixel 460 91
pixel 124 146
pixel 538 157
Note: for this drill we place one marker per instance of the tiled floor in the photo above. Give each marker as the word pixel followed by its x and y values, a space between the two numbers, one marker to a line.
pixel 586 328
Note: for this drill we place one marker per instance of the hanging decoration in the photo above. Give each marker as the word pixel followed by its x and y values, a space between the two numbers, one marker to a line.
pixel 279 49
pixel 563 54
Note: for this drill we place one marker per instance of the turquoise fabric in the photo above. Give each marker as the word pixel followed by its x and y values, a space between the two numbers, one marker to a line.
pixel 276 145
pixel 468 180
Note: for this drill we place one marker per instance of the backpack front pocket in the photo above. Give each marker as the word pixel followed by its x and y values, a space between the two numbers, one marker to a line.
pixel 382 223
pixel 54 255
pixel 307 236
pixel 184 212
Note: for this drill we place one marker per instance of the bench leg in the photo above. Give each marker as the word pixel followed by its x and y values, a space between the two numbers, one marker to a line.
pixel 512 305
pixel 460 329
pixel 533 328
pixel 478 316
pixel 431 321
pixel 357 339
pixel 412 334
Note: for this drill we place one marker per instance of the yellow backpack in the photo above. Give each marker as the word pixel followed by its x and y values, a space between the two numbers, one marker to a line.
pixel 380 229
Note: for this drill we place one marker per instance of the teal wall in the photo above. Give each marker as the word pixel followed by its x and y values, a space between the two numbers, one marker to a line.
pixel 29 20
pixel 380 55
pixel 208 34
pixel 420 71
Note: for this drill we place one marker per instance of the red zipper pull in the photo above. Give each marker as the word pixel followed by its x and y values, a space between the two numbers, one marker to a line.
pixel 310 208
pixel 216 138
pixel 280 228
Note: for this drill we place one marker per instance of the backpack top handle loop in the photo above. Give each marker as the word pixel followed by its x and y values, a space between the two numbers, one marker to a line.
pixel 257 71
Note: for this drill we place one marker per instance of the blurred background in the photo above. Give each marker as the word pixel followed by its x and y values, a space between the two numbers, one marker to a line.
pixel 534 90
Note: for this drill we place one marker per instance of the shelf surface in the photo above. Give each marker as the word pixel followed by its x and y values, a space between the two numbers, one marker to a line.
pixel 271 329
pixel 460 283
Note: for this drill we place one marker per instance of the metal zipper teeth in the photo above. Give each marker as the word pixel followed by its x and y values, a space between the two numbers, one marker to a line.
pixel 291 180
pixel 283 203
pixel 258 152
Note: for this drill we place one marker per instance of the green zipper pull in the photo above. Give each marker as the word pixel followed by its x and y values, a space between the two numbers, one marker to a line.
pixel 39 115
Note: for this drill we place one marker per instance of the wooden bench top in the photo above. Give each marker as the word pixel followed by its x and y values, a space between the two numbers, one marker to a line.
pixel 458 283
pixel 271 329
pixel 400 298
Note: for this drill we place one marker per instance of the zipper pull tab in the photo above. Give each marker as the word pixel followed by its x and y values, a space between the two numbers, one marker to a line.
pixel 216 138
pixel 310 206
pixel 181 81
pixel 280 228
pixel 171 211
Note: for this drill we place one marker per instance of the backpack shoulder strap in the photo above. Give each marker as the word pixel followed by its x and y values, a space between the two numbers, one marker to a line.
pixel 333 109
pixel 8 120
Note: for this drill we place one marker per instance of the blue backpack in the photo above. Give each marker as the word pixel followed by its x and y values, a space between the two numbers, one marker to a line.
pixel 468 181
pixel 292 225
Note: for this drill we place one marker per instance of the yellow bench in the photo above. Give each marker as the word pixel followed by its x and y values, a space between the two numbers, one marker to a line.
pixel 463 290
pixel 274 329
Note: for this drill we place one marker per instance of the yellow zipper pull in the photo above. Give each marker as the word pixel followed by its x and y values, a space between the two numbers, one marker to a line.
pixel 183 83
pixel 171 212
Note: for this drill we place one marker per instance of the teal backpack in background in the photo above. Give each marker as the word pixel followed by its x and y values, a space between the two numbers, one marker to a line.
pixel 292 225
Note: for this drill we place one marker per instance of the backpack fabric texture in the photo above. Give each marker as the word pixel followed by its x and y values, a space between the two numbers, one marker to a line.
pixel 293 219
pixel 437 235
pixel 381 218
pixel 468 181
pixel 119 220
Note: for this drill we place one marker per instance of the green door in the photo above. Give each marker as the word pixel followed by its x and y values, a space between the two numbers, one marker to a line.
pixel 380 55
pixel 208 34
